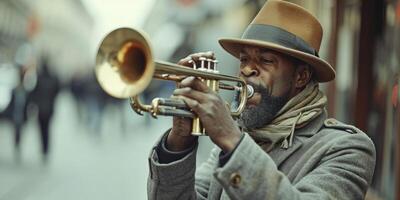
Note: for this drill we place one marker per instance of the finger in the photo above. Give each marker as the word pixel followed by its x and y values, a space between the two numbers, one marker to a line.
pixel 191 93
pixel 178 83
pixel 194 83
pixel 208 54
pixel 195 57
pixel 194 105
pixel 185 61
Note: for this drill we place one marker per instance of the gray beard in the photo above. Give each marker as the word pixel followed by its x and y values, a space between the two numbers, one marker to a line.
pixel 255 117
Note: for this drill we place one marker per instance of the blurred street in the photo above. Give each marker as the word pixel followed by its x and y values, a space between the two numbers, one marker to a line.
pixel 82 165
pixel 63 137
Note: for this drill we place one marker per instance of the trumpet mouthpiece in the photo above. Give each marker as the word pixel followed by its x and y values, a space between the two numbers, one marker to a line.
pixel 250 91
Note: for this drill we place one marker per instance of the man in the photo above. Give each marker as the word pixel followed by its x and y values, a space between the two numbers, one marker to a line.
pixel 285 148
pixel 44 96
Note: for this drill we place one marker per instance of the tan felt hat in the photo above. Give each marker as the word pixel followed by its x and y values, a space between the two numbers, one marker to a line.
pixel 287 28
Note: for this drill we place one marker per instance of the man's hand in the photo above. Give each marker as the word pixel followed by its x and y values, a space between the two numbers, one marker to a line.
pixel 212 111
pixel 180 137
pixel 209 107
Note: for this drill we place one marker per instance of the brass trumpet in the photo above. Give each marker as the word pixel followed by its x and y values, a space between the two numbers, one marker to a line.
pixel 125 67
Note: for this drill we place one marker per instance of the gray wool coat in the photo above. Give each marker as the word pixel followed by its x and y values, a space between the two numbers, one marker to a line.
pixel 328 160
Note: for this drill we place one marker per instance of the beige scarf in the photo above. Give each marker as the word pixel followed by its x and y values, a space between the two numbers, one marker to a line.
pixel 296 113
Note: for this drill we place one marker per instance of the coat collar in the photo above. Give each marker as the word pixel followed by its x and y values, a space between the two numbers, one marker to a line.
pixel 313 127
pixel 279 154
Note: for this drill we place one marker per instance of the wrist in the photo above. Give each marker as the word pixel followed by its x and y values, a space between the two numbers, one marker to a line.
pixel 177 142
pixel 229 143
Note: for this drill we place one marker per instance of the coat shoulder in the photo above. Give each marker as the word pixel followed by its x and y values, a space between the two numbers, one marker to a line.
pixel 334 124
pixel 344 133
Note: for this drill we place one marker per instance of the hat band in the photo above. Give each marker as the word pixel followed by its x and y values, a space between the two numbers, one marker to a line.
pixel 269 33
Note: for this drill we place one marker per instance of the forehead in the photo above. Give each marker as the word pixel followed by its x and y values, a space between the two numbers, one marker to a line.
pixel 258 50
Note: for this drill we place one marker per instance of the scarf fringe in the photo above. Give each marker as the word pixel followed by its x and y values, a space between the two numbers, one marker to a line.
pixel 297 112
pixel 288 141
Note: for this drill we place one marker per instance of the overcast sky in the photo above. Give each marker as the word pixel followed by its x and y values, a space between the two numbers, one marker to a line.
pixel 111 14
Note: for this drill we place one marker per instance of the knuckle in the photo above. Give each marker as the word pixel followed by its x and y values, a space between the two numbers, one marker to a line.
pixel 208 54
pixel 208 114
pixel 195 105
pixel 182 61
pixel 185 61
pixel 214 99
pixel 187 81
pixel 187 90
pixel 213 108
pixel 184 90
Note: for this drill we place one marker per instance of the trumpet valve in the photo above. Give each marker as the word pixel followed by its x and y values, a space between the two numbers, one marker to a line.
pixel 202 60
pixel 209 65
pixel 215 63
pixel 193 64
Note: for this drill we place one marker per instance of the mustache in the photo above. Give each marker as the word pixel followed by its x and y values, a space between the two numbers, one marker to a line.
pixel 258 88
pixel 264 112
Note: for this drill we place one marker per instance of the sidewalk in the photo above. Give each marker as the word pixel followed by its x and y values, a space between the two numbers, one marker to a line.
pixel 82 165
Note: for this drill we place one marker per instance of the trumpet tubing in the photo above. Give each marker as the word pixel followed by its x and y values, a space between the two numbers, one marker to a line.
pixel 125 67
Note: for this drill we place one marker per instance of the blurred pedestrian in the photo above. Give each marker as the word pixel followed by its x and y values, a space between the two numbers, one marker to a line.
pixel 18 109
pixel 44 96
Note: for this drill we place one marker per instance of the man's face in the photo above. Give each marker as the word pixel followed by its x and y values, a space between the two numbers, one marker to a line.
pixel 271 74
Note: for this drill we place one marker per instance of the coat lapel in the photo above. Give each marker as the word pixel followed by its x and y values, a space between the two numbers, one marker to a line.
pixel 279 154
pixel 215 189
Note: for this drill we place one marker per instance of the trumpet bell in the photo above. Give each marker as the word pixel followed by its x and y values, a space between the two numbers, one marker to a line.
pixel 124 63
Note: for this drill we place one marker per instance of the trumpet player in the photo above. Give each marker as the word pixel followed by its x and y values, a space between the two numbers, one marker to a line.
pixel 283 146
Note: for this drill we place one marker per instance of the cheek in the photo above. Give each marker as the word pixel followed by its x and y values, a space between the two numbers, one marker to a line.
pixel 266 79
pixel 279 85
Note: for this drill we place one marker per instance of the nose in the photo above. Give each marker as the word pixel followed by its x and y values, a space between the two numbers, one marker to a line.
pixel 249 71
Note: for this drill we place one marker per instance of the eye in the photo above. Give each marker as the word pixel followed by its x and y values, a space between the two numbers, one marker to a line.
pixel 243 59
pixel 266 61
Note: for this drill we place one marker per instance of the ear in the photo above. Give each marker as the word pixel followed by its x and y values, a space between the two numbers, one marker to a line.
pixel 303 75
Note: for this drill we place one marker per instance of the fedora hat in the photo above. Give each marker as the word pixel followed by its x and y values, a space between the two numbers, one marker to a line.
pixel 286 28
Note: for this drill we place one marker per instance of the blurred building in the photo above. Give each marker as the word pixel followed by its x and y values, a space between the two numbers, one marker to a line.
pixel 362 43
pixel 64 36
pixel 16 27
pixel 58 29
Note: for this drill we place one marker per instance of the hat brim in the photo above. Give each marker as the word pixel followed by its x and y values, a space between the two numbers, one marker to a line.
pixel 323 70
